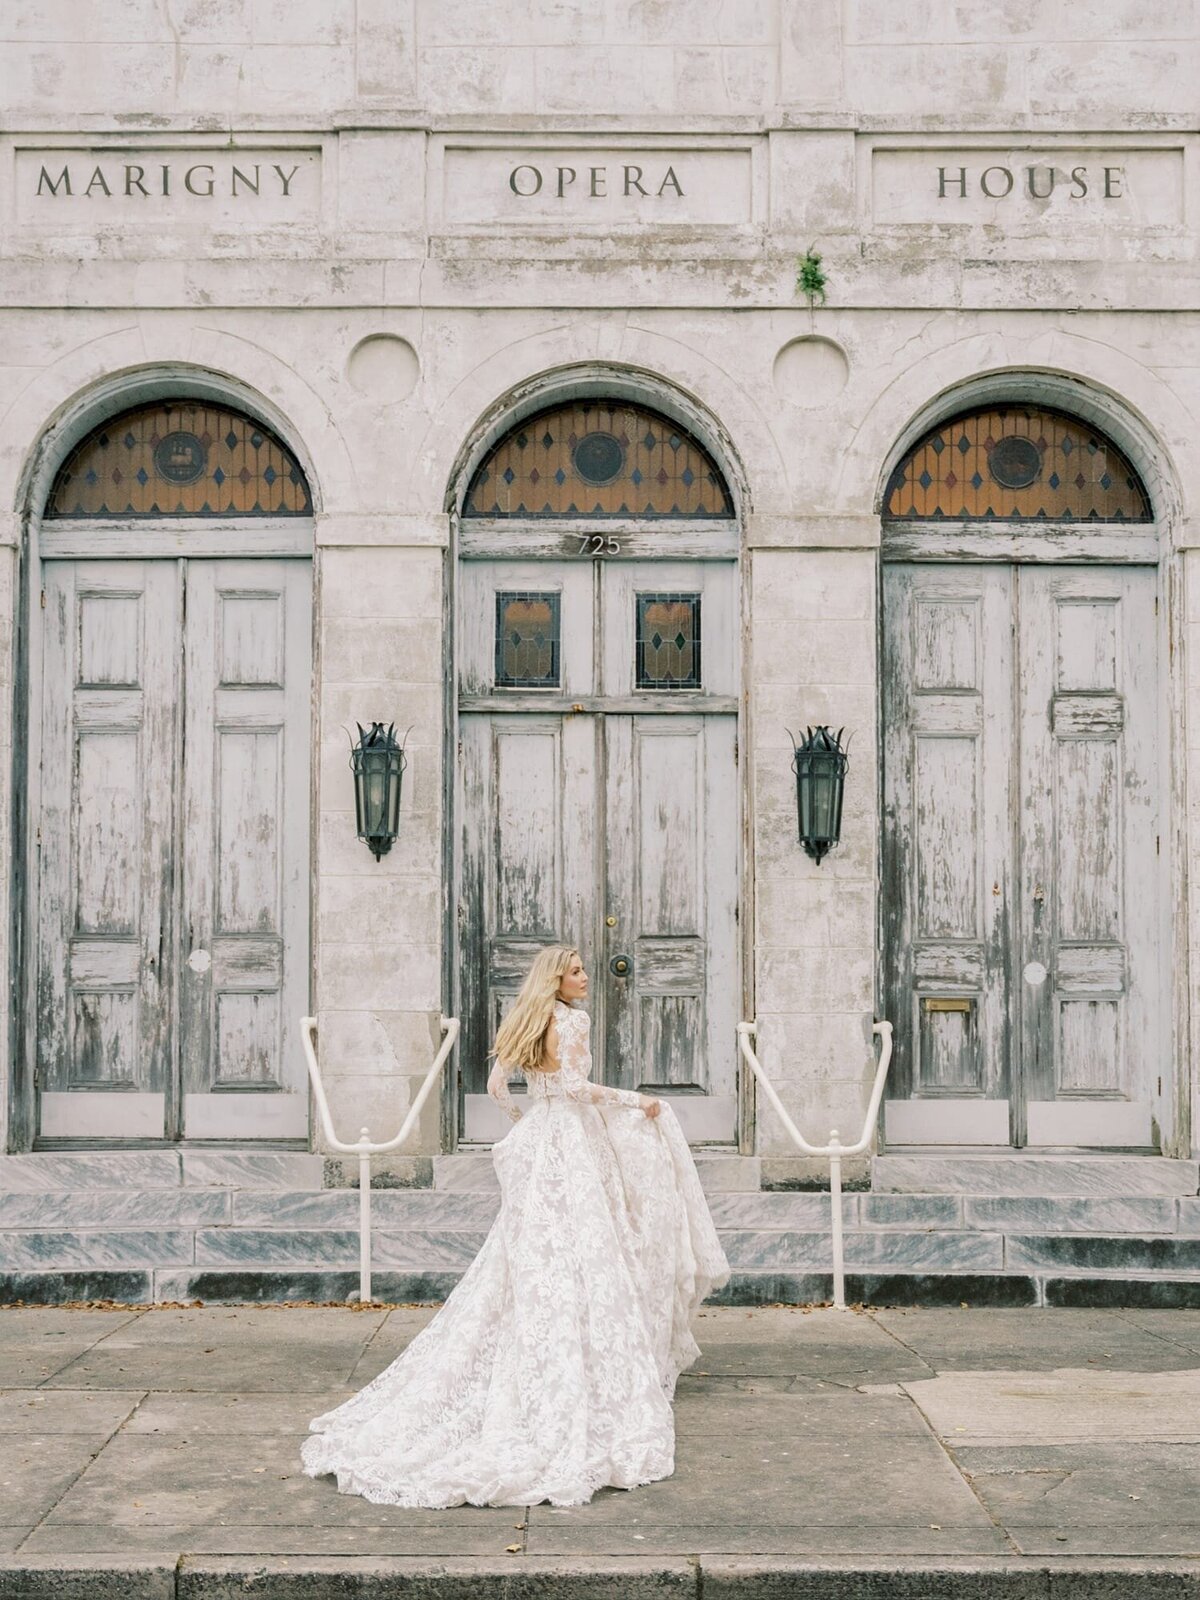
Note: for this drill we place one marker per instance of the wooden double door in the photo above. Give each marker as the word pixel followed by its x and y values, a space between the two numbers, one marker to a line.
pixel 598 804
pixel 172 815
pixel 1023 945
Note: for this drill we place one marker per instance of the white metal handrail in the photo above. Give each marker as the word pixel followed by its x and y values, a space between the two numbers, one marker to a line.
pixel 835 1150
pixel 363 1147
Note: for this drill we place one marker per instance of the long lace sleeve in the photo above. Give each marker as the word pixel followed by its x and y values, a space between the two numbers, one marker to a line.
pixel 575 1057
pixel 497 1087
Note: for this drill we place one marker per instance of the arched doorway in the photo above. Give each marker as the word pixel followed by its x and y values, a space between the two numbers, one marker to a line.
pixel 171 666
pixel 1023 936
pixel 597 681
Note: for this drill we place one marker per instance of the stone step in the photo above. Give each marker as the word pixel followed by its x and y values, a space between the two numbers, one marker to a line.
pixel 236 1286
pixel 159 1169
pixel 107 1208
pixel 438 1249
pixel 1035 1175
pixel 1033 1213
pixel 474 1210
pixel 720 1172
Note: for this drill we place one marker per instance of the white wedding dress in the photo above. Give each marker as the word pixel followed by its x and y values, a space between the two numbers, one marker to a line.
pixel 550 1369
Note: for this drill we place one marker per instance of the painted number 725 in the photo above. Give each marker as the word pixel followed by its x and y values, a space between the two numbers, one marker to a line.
pixel 599 544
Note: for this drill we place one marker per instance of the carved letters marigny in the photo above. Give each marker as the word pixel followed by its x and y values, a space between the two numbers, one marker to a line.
pixel 193 186
pixel 163 178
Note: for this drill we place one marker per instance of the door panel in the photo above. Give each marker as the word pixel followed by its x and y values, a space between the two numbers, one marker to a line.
pixel 1020 936
pixel 245 848
pixel 1088 906
pixel 104 925
pixel 484 588
pixel 947 719
pixel 528 877
pixel 671 901
pixel 714 583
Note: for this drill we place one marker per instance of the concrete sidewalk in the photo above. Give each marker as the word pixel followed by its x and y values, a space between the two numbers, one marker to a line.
pixel 153 1453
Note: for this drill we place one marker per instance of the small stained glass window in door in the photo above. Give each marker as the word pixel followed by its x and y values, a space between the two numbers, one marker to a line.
pixel 668 641
pixel 527 641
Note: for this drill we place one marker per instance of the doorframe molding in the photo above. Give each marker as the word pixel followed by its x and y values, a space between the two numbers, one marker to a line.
pixel 593 379
pixel 60 434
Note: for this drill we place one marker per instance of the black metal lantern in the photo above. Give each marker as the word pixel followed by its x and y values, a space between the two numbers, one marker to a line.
pixel 377 762
pixel 820 763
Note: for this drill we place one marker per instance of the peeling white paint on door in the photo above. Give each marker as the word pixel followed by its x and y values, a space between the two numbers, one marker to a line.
pixel 173 875
pixel 1020 853
pixel 605 814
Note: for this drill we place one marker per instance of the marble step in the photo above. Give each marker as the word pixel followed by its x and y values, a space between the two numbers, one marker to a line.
pixel 1034 1175
pixel 438 1249
pixel 474 1210
pixel 238 1286
pixel 762 1210
pixel 720 1172
pixel 159 1169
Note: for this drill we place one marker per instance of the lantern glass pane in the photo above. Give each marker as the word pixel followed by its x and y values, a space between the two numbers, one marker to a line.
pixel 823 803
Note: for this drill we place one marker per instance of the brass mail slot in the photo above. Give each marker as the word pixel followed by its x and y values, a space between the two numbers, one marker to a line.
pixel 947 1005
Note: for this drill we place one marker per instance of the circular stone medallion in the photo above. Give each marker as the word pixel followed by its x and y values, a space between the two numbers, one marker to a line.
pixel 180 458
pixel 811 371
pixel 384 367
pixel 1015 463
pixel 598 457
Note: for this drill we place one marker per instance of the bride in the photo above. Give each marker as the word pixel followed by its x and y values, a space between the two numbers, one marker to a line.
pixel 550 1369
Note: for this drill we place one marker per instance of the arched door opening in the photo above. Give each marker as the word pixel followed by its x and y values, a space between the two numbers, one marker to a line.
pixel 1022 940
pixel 170 791
pixel 598 676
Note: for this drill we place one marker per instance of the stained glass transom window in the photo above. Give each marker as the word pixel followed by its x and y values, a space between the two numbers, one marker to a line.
pixel 668 641
pixel 180 458
pixel 1017 464
pixel 527 641
pixel 598 458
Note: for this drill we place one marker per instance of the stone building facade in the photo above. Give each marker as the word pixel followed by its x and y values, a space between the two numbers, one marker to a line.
pixel 389 242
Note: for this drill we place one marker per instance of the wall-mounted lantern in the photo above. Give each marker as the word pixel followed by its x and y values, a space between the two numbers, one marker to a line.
pixel 819 762
pixel 377 762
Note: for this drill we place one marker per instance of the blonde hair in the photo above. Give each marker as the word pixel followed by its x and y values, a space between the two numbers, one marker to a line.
pixel 521 1037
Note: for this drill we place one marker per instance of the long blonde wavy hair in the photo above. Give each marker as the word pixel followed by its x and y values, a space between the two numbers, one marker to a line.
pixel 521 1037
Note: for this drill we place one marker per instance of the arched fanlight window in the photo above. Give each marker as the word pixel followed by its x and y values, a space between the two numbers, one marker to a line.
pixel 598 458
pixel 180 458
pixel 1013 463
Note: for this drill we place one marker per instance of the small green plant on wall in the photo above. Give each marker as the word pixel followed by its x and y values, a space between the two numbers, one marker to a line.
pixel 810 278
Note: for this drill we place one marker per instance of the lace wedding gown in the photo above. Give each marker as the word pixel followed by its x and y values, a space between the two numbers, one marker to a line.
pixel 550 1369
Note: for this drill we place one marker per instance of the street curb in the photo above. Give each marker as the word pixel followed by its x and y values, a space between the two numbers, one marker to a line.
pixel 164 1577
pixel 92 1577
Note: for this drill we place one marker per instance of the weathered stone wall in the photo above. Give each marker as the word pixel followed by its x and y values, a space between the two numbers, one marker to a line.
pixel 939 61
pixel 886 135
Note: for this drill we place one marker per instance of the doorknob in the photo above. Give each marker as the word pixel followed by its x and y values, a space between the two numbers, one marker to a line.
pixel 620 966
